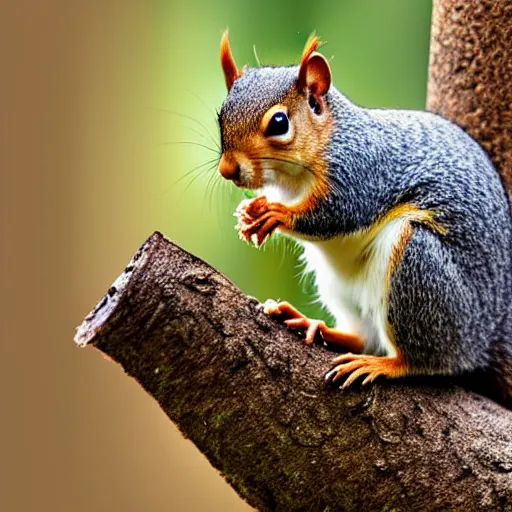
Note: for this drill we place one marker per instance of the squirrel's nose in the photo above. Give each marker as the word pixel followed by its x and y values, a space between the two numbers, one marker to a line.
pixel 229 168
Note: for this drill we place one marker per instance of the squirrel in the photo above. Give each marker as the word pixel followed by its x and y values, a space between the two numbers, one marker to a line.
pixel 403 219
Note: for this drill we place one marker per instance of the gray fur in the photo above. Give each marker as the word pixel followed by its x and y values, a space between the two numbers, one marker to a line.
pixel 450 302
pixel 251 96
pixel 450 294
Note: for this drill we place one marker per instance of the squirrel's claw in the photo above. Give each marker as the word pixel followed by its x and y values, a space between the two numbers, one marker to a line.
pixel 296 320
pixel 358 365
pixel 258 219
pixel 311 327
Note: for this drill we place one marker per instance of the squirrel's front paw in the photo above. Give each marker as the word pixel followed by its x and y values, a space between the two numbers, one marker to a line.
pixel 258 219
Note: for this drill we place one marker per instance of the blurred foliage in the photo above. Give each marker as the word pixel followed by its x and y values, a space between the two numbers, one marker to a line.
pixel 379 52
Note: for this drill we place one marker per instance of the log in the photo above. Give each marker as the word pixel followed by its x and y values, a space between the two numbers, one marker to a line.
pixel 250 395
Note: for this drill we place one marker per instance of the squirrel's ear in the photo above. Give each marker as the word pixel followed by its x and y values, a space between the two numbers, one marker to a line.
pixel 231 72
pixel 314 70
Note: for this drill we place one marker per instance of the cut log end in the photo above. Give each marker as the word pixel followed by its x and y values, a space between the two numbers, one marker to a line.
pixel 96 319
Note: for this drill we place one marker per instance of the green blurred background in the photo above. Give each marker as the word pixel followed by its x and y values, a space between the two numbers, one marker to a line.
pixel 102 105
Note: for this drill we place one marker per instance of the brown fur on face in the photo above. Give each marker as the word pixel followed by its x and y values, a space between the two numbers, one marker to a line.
pixel 294 163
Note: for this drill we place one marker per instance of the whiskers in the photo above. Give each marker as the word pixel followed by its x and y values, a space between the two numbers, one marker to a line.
pixel 207 167
pixel 207 141
pixel 192 143
pixel 205 134
pixel 284 160
pixel 217 199
pixel 210 197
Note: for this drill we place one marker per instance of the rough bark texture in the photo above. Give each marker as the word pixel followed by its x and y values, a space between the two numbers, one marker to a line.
pixel 249 394
pixel 470 76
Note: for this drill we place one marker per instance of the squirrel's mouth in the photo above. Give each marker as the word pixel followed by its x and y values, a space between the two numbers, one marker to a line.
pixel 258 172
pixel 239 170
pixel 242 172
pixel 246 183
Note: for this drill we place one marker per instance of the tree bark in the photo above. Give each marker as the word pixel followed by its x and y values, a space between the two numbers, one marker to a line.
pixel 470 75
pixel 249 393
pixel 251 396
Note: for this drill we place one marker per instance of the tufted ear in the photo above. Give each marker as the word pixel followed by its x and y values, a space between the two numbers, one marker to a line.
pixel 314 70
pixel 231 72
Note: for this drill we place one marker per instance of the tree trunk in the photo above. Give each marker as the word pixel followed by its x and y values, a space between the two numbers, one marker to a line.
pixel 249 393
pixel 470 75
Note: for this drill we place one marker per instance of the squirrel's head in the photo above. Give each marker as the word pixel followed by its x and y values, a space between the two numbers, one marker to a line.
pixel 276 125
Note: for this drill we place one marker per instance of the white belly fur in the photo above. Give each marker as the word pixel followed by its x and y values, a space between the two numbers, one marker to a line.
pixel 351 275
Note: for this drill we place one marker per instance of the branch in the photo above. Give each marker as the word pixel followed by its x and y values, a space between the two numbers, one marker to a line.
pixel 250 395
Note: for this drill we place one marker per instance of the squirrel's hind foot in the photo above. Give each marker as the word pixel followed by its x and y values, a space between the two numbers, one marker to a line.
pixel 358 365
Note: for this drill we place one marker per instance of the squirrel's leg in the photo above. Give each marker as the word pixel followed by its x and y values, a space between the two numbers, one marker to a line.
pixel 438 311
pixel 438 325
pixel 258 218
pixel 296 320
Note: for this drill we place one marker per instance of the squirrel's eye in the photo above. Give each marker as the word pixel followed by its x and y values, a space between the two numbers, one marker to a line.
pixel 278 125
